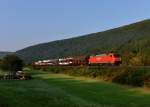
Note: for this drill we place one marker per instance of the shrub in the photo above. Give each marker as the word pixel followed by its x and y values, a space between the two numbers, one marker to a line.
pixel 131 76
pixel 134 76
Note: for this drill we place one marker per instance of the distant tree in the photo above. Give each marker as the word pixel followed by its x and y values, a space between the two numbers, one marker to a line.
pixel 12 63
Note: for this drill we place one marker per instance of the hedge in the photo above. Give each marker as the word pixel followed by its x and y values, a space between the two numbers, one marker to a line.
pixel 135 76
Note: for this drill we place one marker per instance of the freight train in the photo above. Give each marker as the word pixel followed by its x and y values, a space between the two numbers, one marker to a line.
pixel 101 59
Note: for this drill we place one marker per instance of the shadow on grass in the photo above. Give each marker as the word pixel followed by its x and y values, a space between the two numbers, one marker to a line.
pixel 99 92
pixel 56 90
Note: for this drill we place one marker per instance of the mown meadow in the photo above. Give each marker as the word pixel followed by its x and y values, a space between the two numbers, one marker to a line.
pixel 60 90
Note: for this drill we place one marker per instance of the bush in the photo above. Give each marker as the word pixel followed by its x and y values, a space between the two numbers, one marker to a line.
pixel 134 76
pixel 130 77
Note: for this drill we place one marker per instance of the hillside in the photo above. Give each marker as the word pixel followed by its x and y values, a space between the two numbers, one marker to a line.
pixel 130 40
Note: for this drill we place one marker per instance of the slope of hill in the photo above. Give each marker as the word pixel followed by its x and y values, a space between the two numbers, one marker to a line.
pixel 2 54
pixel 132 40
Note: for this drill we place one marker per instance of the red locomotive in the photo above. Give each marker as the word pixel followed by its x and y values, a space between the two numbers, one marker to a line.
pixel 101 59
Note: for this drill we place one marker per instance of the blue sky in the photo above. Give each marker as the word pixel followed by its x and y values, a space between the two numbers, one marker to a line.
pixel 27 22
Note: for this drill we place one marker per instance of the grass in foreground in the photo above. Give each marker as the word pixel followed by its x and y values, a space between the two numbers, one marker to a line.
pixel 57 90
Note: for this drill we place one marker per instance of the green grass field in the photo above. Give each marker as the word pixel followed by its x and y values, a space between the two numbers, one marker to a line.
pixel 58 90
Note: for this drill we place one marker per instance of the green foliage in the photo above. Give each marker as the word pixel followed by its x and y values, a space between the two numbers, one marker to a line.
pixel 131 77
pixel 123 75
pixel 131 41
pixel 12 63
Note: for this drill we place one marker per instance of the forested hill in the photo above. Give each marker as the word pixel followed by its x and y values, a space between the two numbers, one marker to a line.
pixel 133 41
